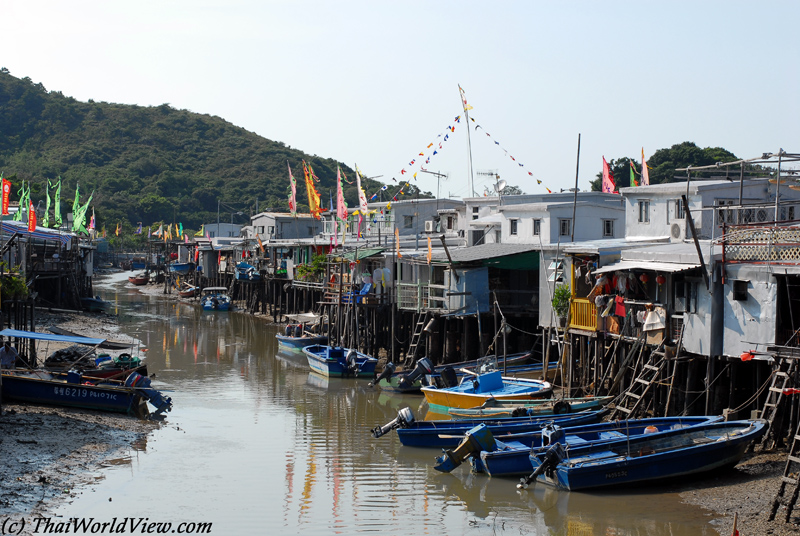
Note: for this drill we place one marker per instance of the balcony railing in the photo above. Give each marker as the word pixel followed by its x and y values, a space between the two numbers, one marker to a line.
pixel 583 314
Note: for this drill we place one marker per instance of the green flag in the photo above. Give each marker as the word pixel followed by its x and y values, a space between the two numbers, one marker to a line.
pixel 57 210
pixel 21 192
pixel 46 219
pixel 79 216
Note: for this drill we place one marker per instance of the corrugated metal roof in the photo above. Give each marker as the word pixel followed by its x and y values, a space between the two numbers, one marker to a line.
pixel 668 267
pixel 363 253
pixel 484 251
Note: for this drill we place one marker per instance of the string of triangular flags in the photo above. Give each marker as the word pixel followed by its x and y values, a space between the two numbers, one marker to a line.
pixel 422 158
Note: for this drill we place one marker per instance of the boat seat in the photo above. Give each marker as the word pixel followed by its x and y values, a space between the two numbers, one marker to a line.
pixel 611 435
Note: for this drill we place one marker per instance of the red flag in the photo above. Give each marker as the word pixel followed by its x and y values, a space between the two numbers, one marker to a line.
pixel 608 179
pixel 31 217
pixel 6 193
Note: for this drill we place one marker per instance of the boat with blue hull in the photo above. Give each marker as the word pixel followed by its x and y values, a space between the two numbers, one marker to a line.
pixel 447 434
pixel 181 268
pixel 508 454
pixel 246 272
pixel 303 330
pixel 339 362
pixel 493 408
pixel 215 299
pixel 632 460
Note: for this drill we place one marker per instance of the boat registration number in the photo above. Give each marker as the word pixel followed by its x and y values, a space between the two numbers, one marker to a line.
pixel 616 474
pixel 82 393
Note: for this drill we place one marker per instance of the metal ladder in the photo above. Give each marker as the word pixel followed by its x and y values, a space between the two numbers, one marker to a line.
pixel 790 477
pixel 781 378
pixel 631 399
pixel 411 354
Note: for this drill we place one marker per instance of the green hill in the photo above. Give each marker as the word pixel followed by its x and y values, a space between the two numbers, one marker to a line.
pixel 148 164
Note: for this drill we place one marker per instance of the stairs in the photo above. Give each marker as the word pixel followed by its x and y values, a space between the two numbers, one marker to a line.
pixel 789 480
pixel 416 337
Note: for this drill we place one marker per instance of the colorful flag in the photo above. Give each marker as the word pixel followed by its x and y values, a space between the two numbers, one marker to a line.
pixel 633 174
pixel 76 205
pixel 464 99
pixel 430 250
pixel 313 196
pixel 362 195
pixel 293 195
pixel 139 229
pixel 260 244
pixel 608 179
pixel 31 217
pixel 200 232
pixel 645 172
pixel 92 222
pixel 6 195
pixel 79 217
pixel 397 241
pixel 341 204
pixel 116 232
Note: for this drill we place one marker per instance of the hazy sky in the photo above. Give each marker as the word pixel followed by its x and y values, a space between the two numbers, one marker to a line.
pixel 374 83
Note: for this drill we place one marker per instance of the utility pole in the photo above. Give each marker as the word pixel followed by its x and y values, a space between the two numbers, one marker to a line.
pixel 438 178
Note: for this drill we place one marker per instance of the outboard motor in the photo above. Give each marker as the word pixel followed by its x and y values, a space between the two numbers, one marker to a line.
pixel 449 377
pixel 552 458
pixel 351 360
pixel 142 386
pixel 385 374
pixel 476 440
pixel 298 330
pixel 403 419
pixel 424 366
pixel 288 330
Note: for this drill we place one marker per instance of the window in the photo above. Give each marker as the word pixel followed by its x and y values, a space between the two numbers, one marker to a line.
pixel 310 230
pixel 565 227
pixel 474 213
pixel 685 297
pixel 537 227
pixel 644 211
pixel 449 223
pixel 608 228
pixel 513 229
pixel 679 211
pixel 497 235
pixel 260 229
pixel 556 269
pixel 408 222
pixel 740 290
pixel 270 230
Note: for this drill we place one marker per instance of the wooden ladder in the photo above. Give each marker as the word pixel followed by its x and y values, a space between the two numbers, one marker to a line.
pixel 416 337
pixel 781 379
pixel 631 399
pixel 789 478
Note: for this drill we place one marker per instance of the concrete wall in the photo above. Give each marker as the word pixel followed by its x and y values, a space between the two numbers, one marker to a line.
pixel 752 320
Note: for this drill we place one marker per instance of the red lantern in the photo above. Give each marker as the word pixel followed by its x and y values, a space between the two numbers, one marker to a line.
pixel 643 278
pixel 660 279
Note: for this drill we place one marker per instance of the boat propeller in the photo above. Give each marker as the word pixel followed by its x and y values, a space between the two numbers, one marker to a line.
pixel 385 374
pixel 424 366
pixel 142 385
pixel 403 419
pixel 552 458
pixel 352 363
pixel 476 440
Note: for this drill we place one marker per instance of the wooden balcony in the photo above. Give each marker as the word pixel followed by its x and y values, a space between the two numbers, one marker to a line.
pixel 583 314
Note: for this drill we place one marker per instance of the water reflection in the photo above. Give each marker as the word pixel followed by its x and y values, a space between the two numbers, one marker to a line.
pixel 256 442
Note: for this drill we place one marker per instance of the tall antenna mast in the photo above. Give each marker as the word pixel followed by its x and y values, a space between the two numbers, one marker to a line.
pixel 467 107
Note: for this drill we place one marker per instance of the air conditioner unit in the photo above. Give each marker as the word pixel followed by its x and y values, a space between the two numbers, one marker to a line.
pixel 675 231
pixel 429 227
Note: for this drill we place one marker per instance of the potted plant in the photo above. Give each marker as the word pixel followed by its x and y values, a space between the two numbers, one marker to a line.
pixel 561 299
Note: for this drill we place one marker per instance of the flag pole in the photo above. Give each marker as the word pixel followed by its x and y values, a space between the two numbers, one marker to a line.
pixel 575 199
pixel 469 142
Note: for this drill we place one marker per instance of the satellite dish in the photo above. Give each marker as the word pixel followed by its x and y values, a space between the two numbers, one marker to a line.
pixel 500 185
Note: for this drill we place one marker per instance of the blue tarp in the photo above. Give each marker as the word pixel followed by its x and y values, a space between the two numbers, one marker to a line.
pixel 19 334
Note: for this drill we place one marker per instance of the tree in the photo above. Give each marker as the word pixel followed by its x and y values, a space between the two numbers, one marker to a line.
pixel 512 190
pixel 664 162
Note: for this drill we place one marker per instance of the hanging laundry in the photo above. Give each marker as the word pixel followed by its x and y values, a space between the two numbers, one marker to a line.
pixel 619 309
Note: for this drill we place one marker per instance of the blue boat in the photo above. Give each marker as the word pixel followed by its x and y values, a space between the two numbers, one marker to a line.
pixel 667 455
pixel 303 331
pixel 138 263
pixel 446 434
pixel 181 268
pixel 95 305
pixel 493 408
pixel 246 272
pixel 215 299
pixel 509 454
pixel 75 390
pixel 338 361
